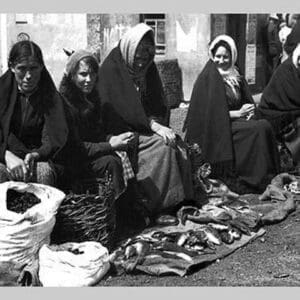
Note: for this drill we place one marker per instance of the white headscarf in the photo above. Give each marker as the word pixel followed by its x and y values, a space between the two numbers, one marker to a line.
pixel 131 40
pixel 231 76
pixel 295 56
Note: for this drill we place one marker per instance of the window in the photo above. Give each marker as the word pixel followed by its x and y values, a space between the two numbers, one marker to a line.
pixel 158 23
pixel 24 18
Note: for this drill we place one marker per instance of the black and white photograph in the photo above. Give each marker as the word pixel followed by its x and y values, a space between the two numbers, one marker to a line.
pixel 150 149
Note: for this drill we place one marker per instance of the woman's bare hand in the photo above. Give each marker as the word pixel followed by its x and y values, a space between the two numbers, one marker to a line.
pixel 120 142
pixel 166 133
pixel 29 161
pixel 246 109
pixel 16 167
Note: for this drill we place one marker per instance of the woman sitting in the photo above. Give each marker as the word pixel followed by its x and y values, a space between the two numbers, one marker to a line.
pixel 280 101
pixel 133 100
pixel 91 152
pixel 242 151
pixel 33 128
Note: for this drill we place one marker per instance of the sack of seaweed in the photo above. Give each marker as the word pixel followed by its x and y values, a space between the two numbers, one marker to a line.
pixel 73 264
pixel 27 217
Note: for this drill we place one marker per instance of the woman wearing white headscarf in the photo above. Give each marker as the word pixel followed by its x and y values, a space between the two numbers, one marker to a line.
pixel 133 100
pixel 241 150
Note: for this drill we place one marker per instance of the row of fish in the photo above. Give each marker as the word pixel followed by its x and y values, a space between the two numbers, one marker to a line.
pixel 174 245
pixel 216 226
pixel 245 220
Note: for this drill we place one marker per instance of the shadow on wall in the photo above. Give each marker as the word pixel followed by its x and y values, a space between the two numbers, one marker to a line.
pixel 171 77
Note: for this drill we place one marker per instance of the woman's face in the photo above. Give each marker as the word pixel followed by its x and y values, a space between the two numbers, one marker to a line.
pixel 292 20
pixel 222 58
pixel 27 74
pixel 85 78
pixel 143 55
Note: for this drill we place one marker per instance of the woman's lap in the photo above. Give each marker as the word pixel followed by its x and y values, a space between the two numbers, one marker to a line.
pixel 255 148
pixel 159 173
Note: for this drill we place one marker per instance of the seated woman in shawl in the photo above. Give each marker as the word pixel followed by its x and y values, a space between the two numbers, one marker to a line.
pixel 95 152
pixel 242 151
pixel 33 128
pixel 280 101
pixel 133 100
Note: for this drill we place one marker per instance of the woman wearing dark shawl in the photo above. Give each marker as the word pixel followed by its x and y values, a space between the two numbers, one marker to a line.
pixel 91 152
pixel 242 151
pixel 133 100
pixel 33 128
pixel 280 101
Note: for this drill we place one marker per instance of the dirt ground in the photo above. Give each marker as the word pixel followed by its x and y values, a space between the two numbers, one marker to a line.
pixel 271 260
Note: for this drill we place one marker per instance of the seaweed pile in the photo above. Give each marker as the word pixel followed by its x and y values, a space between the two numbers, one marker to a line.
pixel 20 202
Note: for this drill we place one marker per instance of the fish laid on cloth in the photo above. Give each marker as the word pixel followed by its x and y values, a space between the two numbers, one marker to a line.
pixel 175 249
pixel 165 220
pixel 244 218
pixel 201 216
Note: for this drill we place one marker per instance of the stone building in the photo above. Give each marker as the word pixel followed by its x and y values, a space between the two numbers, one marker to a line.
pixel 184 37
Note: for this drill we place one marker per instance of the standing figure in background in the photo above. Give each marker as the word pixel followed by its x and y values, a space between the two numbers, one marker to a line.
pixel 33 128
pixel 283 33
pixel 274 44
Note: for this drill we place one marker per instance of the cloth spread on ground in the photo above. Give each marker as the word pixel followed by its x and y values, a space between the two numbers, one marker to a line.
pixel 159 266
pixel 278 200
pixel 174 259
pixel 207 234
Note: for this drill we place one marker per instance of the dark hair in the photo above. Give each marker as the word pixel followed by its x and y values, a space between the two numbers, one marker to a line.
pixel 221 44
pixel 25 49
pixel 90 61
pixel 74 96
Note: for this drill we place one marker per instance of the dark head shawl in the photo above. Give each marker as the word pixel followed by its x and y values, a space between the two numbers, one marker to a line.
pixel 208 123
pixel 123 106
pixel 280 101
pixel 49 104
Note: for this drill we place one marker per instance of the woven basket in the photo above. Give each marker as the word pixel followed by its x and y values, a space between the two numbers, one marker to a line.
pixel 87 214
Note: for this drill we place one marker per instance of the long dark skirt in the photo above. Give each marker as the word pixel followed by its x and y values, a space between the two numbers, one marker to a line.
pixel 291 137
pixel 97 168
pixel 256 154
pixel 164 173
